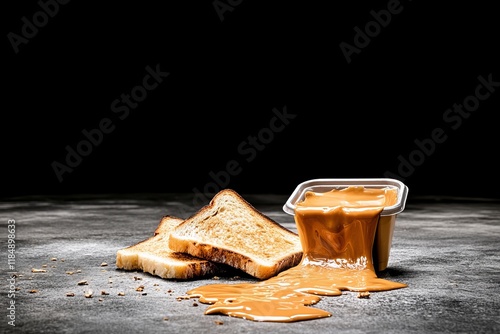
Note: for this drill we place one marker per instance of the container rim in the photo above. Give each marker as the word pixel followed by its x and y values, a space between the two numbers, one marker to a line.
pixel 326 184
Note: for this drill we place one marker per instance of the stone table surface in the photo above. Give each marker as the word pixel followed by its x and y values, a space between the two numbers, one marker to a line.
pixel 447 251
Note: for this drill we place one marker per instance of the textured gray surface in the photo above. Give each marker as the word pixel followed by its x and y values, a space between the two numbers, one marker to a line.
pixel 447 252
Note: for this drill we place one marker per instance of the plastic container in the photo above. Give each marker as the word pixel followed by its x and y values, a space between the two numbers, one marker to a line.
pixel 385 228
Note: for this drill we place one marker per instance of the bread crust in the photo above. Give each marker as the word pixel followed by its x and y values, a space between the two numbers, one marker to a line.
pixel 153 256
pixel 238 260
pixel 184 239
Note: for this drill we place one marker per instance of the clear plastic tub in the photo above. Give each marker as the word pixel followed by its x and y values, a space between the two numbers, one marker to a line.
pixel 385 228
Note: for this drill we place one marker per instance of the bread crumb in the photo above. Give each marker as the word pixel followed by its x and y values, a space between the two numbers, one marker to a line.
pixel 82 282
pixel 34 270
pixel 88 294
pixel 53 259
pixel 195 304
pixel 137 278
pixel 165 318
pixel 104 264
pixel 100 299
pixel 104 293
pixel 70 272
pixel 33 291
pixel 364 294
pixel 140 288
pixel 121 293
pixel 70 294
pixel 218 322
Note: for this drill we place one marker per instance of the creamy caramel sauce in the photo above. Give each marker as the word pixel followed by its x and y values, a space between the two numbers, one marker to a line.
pixel 337 232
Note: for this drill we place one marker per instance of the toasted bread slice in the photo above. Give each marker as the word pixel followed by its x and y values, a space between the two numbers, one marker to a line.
pixel 155 257
pixel 230 230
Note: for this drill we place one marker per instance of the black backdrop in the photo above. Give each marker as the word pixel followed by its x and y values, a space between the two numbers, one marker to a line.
pixel 193 96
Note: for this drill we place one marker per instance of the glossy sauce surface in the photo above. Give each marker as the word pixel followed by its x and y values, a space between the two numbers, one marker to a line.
pixel 337 231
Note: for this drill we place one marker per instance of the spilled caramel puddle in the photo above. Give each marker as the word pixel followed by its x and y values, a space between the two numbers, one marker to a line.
pixel 337 231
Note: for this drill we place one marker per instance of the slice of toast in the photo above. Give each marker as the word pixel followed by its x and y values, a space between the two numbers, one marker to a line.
pixel 230 230
pixel 155 257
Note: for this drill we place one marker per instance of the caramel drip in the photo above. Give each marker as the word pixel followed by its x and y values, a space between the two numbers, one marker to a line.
pixel 337 238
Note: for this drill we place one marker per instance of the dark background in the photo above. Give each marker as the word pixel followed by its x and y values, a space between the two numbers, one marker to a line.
pixel 352 120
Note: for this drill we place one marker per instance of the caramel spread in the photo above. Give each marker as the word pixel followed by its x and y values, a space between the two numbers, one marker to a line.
pixel 337 231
